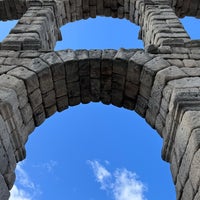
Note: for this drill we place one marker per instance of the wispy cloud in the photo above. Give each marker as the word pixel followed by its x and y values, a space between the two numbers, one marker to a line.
pixel 23 178
pixel 48 166
pixel 24 189
pixel 123 184
pixel 19 194
pixel 102 175
pixel 127 186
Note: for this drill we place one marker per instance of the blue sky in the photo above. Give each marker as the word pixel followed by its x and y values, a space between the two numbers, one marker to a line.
pixel 94 151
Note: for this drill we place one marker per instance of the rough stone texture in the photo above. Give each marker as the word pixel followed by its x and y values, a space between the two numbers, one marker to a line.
pixel 161 83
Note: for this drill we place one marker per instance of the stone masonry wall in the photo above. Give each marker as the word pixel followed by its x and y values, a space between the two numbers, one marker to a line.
pixel 160 82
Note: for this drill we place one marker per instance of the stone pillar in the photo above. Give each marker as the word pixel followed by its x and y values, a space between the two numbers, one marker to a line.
pixel 16 123
pixel 4 188
pixel 181 137
pixel 162 27
pixel 36 30
pixel 186 156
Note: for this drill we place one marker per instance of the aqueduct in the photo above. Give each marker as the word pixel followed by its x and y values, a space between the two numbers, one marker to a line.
pixel 161 83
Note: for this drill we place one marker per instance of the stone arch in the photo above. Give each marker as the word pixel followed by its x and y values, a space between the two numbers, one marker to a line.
pixel 43 83
pixel 38 87
pixel 39 27
pixel 14 10
pixel 161 83
pixel 102 32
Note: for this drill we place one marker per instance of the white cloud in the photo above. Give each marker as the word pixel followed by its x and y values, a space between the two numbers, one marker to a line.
pixel 23 178
pixel 127 186
pixel 122 184
pixel 102 175
pixel 24 189
pixel 18 194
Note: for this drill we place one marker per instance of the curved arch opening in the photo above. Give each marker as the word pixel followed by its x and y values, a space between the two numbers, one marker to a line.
pixel 101 33
pixel 59 150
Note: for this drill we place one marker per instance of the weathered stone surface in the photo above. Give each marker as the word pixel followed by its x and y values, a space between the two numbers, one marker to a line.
pixel 49 99
pixel 44 74
pixel 29 77
pixel 39 115
pixel 176 62
pixel 35 99
pixel 190 63
pixel 188 192
pixel 8 96
pixel 197 196
pixel 57 66
pixel 162 77
pixel 17 85
pixel 191 82
pixel 3 159
pixel 140 58
pixel 161 83
pixel 192 146
pixel 8 153
pixel 27 129
pixel 189 121
pixel 50 110
pixel 174 166
pixel 95 63
pixel 133 71
pixel 141 105
pixel 60 88
pixel 62 103
pixel 4 189
pixel 194 171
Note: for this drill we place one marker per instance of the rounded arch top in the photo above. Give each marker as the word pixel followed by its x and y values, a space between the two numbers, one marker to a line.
pixel 39 26
pixel 116 8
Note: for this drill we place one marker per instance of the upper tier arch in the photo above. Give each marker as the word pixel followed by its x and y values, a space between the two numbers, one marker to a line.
pixel 39 28
pixel 14 9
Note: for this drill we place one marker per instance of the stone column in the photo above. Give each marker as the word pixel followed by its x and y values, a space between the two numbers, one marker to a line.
pixel 182 137
pixel 161 26
pixel 36 30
